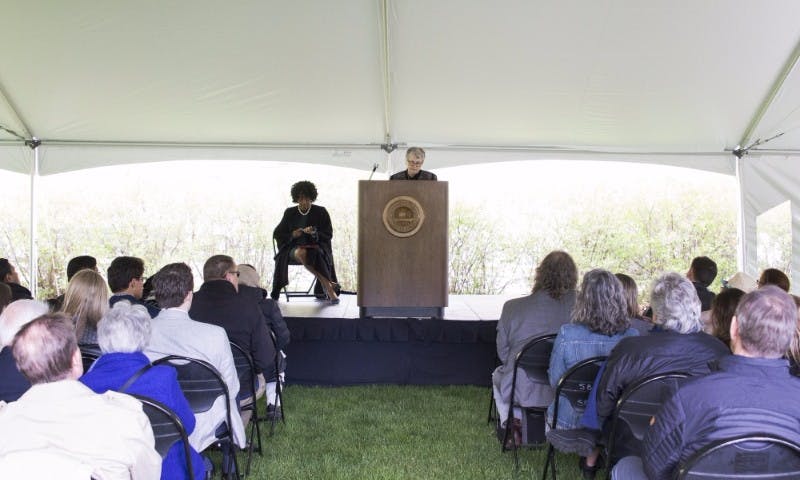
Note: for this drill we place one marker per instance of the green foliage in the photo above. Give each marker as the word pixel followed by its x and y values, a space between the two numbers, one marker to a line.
pixel 157 213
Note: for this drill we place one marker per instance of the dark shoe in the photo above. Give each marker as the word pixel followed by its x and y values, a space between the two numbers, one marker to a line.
pixel 335 301
pixel 515 439
pixel 274 413
pixel 590 472
pixel 573 440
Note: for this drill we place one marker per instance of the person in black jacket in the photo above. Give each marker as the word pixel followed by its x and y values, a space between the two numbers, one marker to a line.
pixel 750 392
pixel 304 236
pixel 249 286
pixel 415 157
pixel 218 302
pixel 9 276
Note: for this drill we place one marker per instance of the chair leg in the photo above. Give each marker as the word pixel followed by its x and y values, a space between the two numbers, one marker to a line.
pixel 550 461
pixel 491 417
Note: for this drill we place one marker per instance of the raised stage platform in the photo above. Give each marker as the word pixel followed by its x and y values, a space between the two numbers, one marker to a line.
pixel 331 345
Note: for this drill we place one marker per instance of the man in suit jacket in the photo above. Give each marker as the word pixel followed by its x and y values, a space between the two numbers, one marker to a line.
pixel 415 157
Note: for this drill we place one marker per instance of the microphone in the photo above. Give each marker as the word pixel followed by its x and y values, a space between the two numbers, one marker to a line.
pixel 374 167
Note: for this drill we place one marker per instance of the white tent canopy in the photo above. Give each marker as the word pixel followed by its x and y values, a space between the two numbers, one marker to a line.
pixel 679 83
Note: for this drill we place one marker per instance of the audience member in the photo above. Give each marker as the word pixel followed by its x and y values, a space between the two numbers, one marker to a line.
pixel 126 280
pixel 249 286
pixel 9 276
pixel 677 343
pixel 218 302
pixel 12 383
pixel 5 296
pixel 632 301
pixel 175 333
pixel 123 333
pixel 415 157
pixel 59 415
pixel 541 313
pixel 75 265
pixel 752 392
pixel 773 276
pixel 722 310
pixel 600 320
pixel 86 301
pixel 702 272
pixel 742 281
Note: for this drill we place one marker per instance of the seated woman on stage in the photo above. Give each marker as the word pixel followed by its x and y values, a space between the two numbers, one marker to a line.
pixel 304 236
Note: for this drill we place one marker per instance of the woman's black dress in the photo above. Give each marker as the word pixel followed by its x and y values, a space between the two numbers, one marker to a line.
pixel 318 246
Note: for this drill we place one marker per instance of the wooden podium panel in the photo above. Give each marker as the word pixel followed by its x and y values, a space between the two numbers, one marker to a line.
pixel 402 275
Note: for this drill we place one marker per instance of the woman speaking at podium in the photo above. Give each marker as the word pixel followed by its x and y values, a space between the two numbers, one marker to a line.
pixel 415 157
pixel 304 237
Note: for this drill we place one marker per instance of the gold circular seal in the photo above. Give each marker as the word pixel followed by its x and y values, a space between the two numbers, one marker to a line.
pixel 403 216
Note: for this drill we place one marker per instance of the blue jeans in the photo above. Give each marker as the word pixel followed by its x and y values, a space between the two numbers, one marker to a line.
pixel 629 468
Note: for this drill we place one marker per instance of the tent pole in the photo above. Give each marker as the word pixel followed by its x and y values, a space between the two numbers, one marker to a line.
pixel 34 256
pixel 741 247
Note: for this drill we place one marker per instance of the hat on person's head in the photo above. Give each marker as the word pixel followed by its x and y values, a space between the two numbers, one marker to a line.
pixel 742 281
pixel 248 276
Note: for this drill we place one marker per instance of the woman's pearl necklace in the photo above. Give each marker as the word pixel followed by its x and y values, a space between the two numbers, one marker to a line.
pixel 301 212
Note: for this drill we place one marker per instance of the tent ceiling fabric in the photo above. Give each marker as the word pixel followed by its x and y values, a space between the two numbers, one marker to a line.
pixel 264 78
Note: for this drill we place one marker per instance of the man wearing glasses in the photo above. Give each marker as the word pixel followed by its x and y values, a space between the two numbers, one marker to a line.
pixel 218 302
pixel 126 281
pixel 415 157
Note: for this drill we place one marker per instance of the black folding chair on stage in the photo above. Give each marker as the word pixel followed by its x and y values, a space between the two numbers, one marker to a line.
pixel 309 292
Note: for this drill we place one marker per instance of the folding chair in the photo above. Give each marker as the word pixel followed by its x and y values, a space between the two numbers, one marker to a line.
pixel 248 381
pixel 167 429
pixel 576 386
pixel 309 292
pixel 89 353
pixel 752 457
pixel 279 412
pixel 202 384
pixel 534 360
pixel 632 413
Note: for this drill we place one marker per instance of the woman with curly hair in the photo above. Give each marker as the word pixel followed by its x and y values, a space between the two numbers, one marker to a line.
pixel 542 312
pixel 599 321
pixel 304 236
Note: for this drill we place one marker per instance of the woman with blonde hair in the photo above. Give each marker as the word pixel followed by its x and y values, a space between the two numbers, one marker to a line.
pixel 86 301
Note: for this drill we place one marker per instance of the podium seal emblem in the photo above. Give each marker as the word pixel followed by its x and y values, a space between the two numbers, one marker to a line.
pixel 403 216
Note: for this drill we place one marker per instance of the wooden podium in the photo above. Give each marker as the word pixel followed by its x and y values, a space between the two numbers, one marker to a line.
pixel 402 248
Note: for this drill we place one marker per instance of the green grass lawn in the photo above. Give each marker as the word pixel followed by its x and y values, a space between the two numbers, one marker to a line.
pixel 392 432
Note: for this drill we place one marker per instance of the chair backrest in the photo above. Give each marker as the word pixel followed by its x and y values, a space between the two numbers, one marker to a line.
pixel 751 457
pixel 167 428
pixel 636 406
pixel 89 353
pixel 534 360
pixel 576 385
pixel 245 370
pixel 200 382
